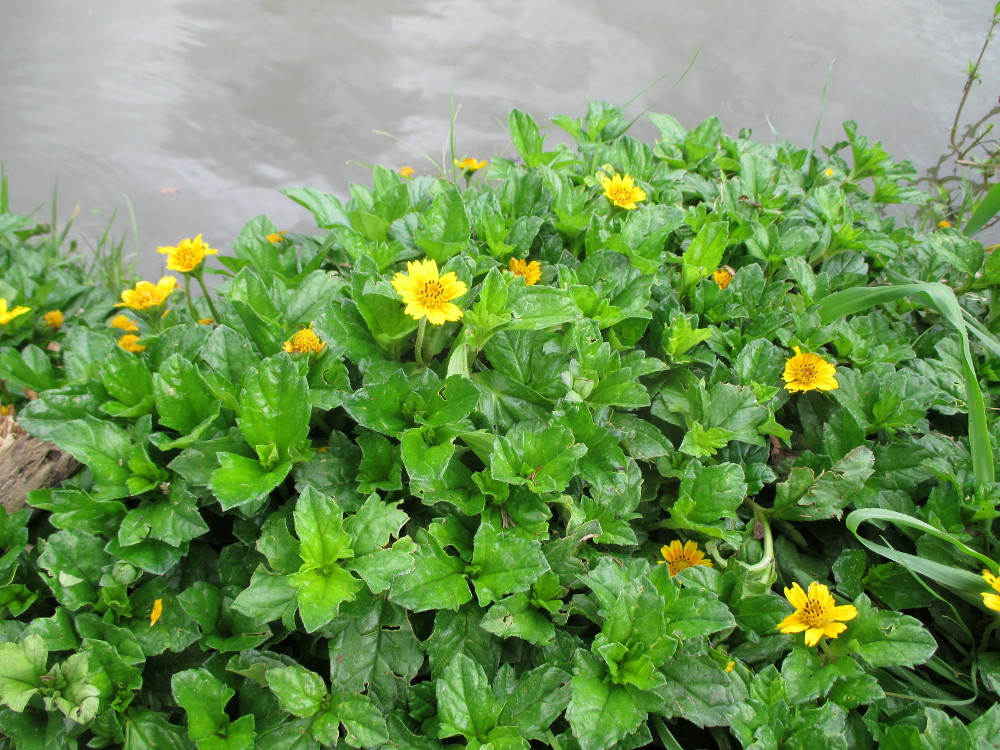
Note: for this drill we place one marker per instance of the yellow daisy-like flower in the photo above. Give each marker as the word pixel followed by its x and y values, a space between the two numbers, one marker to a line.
pixel 809 372
pixel 828 172
pixel 944 224
pixel 723 276
pixel 53 318
pixel 276 237
pixel 816 613
pixel 157 610
pixel 678 558
pixel 621 191
pixel 991 600
pixel 304 341
pixel 147 295
pixel 130 343
pixel 468 164
pixel 188 254
pixel 406 171
pixel 8 315
pixel 427 294
pixel 124 322
pixel 531 272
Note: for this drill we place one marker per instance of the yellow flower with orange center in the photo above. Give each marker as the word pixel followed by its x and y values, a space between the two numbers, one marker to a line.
pixel 188 254
pixel 276 237
pixel 304 341
pixel 678 557
pixel 428 294
pixel 406 171
pixel 621 191
pixel 7 315
pixel 809 372
pixel 124 322
pixel 723 276
pixel 992 600
pixel 53 318
pixel 530 272
pixel 130 343
pixel 147 295
pixel 816 613
pixel 469 165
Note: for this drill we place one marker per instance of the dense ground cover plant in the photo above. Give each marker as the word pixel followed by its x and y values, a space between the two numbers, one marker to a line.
pixel 620 445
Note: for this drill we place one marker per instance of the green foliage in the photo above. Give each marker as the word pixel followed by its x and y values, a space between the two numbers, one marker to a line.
pixel 424 536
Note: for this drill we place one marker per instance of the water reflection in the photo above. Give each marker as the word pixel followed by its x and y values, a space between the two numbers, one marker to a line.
pixel 222 103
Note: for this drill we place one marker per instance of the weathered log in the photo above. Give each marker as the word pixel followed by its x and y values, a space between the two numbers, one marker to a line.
pixel 28 464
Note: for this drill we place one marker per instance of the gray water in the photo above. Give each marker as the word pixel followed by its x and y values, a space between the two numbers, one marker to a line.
pixel 197 111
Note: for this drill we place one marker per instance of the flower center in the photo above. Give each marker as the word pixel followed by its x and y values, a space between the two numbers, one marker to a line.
pixel 431 296
pixel 306 341
pixel 815 614
pixel 676 566
pixel 806 374
pixel 187 257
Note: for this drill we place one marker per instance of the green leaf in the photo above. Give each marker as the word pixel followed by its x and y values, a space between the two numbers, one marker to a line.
pixel 465 701
pixel 515 616
pixel 181 395
pixel 104 447
pixel 75 562
pixel 148 730
pixel 269 597
pixel 204 699
pixel 544 459
pixel 504 563
pixel 888 639
pixel 702 443
pixel 600 712
pixel 537 701
pixel 700 690
pixel 21 668
pixel 300 691
pixel 321 591
pixel 240 480
pixel 364 723
pixel 327 210
pixel 274 408
pixel 806 497
pixel 437 581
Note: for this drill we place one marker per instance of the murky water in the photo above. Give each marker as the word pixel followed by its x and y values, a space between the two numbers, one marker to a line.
pixel 198 112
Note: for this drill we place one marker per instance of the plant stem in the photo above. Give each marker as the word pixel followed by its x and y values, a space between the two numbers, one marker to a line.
pixel 419 348
pixel 970 79
pixel 208 298
pixel 767 561
pixel 187 293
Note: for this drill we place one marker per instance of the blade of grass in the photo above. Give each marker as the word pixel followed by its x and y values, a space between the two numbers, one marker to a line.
pixel 985 210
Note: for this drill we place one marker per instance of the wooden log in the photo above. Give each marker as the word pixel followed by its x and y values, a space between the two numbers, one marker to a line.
pixel 28 464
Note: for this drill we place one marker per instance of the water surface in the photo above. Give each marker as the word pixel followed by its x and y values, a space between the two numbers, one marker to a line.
pixel 198 112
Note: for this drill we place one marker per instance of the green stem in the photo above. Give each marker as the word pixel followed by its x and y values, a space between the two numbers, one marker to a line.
pixel 767 561
pixel 419 348
pixel 208 298
pixel 970 79
pixel 187 293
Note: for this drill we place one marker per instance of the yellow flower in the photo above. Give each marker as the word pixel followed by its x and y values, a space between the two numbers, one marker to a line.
pixel 729 665
pixel 828 172
pixel 816 613
pixel 992 600
pixel 146 295
pixel 425 293
pixel 130 343
pixel 944 224
pixel 206 321
pixel 621 191
pixel 406 171
pixel 53 318
pixel 275 237
pixel 680 558
pixel 531 272
pixel 157 610
pixel 469 164
pixel 188 254
pixel 124 322
pixel 304 341
pixel 809 372
pixel 8 315
pixel 723 276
